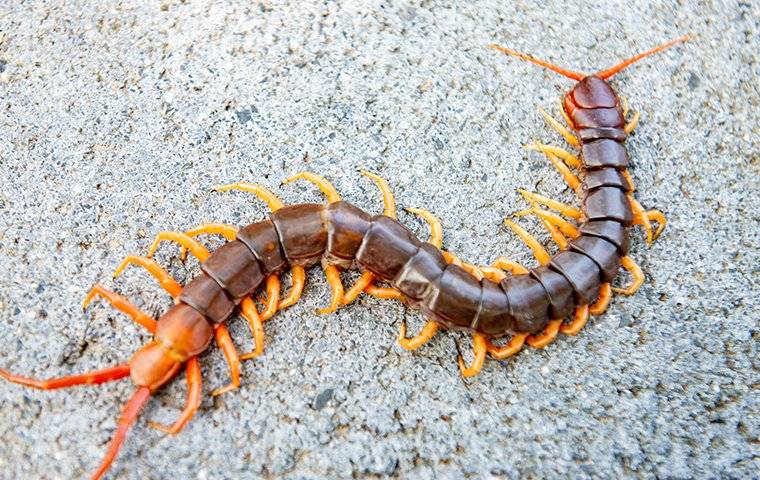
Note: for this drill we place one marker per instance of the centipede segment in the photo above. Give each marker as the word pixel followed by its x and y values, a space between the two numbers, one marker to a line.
pixel 505 299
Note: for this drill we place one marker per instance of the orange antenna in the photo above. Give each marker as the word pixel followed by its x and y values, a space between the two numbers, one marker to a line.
pixel 612 71
pixel 567 73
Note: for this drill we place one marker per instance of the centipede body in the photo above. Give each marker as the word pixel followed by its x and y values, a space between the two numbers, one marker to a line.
pixel 528 305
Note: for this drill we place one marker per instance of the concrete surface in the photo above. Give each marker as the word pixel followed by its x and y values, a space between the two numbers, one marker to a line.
pixel 116 120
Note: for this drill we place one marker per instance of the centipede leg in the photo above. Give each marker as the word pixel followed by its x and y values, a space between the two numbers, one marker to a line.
pixel 514 345
pixel 171 286
pixel 539 251
pixel 327 188
pixel 90 378
pixel 193 402
pixel 635 271
pixel 224 341
pixel 298 280
pixel 273 298
pixel 249 312
pixel 659 218
pixel 128 416
pixel 336 285
pixel 427 332
pixel 603 301
pixel 547 335
pixel 503 263
pixel 479 351
pixel 364 281
pixel 628 178
pixel 436 232
pixel 384 293
pixel 262 192
pixel 199 251
pixel 632 124
pixel 229 232
pixel 566 134
pixel 558 153
pixel 564 209
pixel 492 273
pixel 640 218
pixel 564 226
pixel 122 304
pixel 579 321
pixel 467 267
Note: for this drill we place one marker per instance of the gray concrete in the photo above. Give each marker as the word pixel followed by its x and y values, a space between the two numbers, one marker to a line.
pixel 116 120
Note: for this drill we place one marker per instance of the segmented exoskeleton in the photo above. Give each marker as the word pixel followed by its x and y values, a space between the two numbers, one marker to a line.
pixel 528 305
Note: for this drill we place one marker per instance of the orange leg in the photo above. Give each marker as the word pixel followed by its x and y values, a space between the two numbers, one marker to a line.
pixel 248 310
pixel 493 274
pixel 385 293
pixel 579 321
pixel 658 217
pixel 479 355
pixel 569 137
pixel 427 332
pixel 515 345
pixel 558 237
pixel 635 271
pixel 128 417
pixel 263 193
pixel 327 188
pixel 273 298
pixel 631 125
pixel 298 274
pixel 91 378
pixel 601 304
pixel 467 267
pixel 389 201
pixel 227 231
pixel 193 370
pixel 558 153
pixel 514 268
pixel 436 232
pixel 640 218
pixel 122 304
pixel 539 251
pixel 224 341
pixel 564 209
pixel 164 279
pixel 199 251
pixel 547 336
pixel 564 226
pixel 364 282
pixel 336 285
pixel 629 179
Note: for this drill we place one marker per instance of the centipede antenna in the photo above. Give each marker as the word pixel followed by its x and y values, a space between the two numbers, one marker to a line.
pixel 524 56
pixel 128 417
pixel 605 74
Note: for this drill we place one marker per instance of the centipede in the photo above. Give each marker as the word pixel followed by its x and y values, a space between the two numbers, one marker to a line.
pixel 501 300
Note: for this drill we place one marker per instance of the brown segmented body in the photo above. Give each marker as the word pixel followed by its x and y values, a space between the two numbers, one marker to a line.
pixel 341 235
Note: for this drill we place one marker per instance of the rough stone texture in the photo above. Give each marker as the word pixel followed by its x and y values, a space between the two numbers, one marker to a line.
pixel 116 121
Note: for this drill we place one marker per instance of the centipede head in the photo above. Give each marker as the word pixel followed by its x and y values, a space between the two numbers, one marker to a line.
pixel 591 91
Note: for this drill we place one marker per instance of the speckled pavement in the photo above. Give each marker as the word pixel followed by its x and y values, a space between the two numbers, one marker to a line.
pixel 116 120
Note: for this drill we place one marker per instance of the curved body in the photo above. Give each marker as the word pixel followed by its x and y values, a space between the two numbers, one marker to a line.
pixel 451 294
pixel 341 234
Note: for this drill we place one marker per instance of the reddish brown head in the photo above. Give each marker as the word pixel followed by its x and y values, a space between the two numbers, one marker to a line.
pixel 591 91
pixel 152 366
